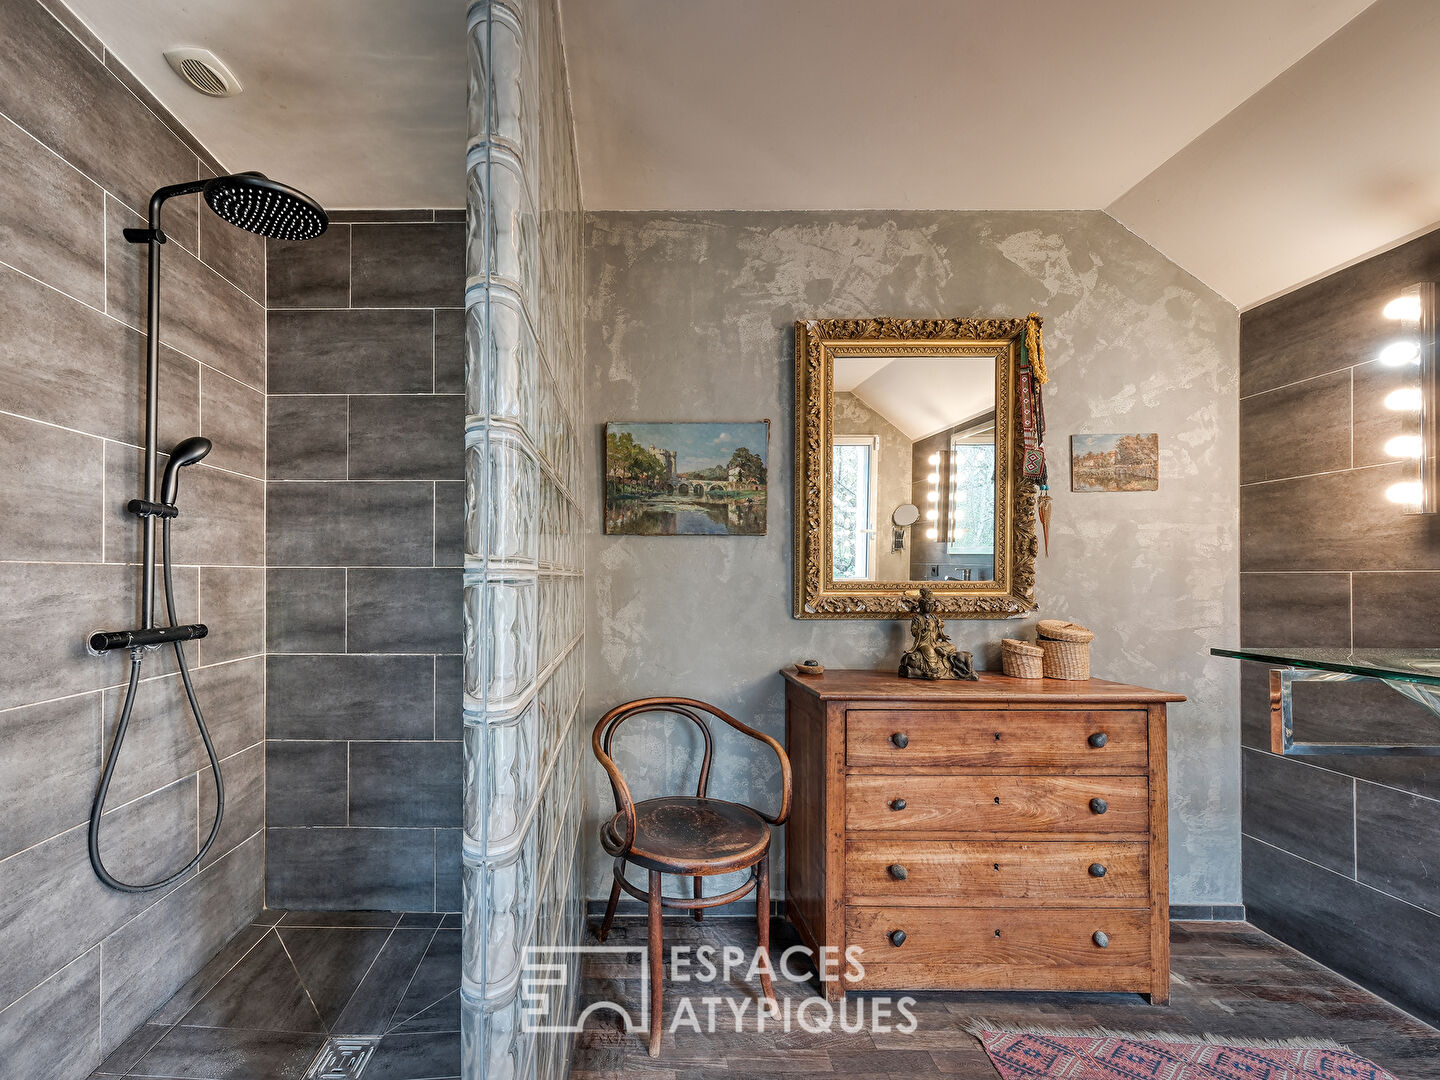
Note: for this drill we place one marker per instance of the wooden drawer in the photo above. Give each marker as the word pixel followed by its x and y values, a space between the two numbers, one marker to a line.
pixel 946 873
pixel 1001 948
pixel 983 803
pixel 1020 738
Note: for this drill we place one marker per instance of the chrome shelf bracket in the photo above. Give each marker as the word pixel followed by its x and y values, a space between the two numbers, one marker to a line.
pixel 1282 715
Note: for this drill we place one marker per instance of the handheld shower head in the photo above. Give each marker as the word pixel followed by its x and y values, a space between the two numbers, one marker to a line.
pixel 185 453
pixel 254 202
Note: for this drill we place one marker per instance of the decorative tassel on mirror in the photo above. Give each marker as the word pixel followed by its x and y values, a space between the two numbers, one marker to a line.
pixel 1034 375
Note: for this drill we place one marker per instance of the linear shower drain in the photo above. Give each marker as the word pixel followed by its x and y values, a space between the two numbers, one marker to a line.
pixel 343 1057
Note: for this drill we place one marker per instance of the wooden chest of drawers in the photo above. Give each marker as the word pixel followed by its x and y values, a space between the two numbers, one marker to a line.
pixel 1006 834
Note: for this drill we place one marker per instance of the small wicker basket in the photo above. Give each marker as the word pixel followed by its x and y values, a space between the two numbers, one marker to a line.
pixel 1020 659
pixel 1067 649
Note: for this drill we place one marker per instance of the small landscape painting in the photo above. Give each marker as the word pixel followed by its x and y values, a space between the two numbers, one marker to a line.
pixel 1115 462
pixel 686 479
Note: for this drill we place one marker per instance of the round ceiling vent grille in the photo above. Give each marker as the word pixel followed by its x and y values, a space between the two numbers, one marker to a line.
pixel 203 70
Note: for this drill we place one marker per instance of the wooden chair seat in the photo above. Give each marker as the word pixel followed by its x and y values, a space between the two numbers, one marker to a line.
pixel 682 834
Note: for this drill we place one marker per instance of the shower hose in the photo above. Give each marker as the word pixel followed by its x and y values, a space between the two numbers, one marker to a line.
pixel 109 773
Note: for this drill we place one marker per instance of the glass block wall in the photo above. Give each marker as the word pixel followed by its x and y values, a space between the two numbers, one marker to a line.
pixel 524 611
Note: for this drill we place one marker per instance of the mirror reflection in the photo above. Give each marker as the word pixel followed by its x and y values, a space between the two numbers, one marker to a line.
pixel 913 432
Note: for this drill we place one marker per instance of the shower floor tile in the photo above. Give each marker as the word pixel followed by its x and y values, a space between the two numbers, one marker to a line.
pixel 289 991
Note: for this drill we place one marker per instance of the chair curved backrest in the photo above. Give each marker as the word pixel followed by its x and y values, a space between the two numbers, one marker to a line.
pixel 604 735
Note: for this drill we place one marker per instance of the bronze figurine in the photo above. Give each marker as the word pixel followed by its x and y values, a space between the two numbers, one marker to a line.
pixel 934 655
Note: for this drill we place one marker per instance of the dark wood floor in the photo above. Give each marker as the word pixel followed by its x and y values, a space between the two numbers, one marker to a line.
pixel 1228 979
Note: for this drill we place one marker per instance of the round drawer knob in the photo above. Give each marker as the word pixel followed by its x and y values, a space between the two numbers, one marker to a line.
pixel 897 938
pixel 1099 806
pixel 897 804
pixel 1097 869
pixel 900 739
pixel 1099 739
pixel 1101 939
pixel 898 872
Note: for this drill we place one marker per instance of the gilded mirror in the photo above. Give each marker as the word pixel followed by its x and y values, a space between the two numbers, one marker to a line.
pixel 907 469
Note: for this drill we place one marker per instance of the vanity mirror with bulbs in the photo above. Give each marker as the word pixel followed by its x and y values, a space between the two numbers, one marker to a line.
pixel 907 469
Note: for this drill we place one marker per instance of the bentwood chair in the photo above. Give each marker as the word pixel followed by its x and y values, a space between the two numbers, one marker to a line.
pixel 692 837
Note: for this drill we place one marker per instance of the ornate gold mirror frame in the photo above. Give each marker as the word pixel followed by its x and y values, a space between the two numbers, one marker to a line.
pixel 818 343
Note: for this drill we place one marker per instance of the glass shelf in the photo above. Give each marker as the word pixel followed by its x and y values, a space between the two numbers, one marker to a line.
pixel 1405 665
pixel 1415 673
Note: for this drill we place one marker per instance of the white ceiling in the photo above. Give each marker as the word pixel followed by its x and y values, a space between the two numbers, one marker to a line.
pixel 1258 144
pixel 920 396
pixel 360 103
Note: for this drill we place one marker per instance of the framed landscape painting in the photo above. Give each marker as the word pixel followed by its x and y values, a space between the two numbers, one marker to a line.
pixel 1115 462
pixel 686 479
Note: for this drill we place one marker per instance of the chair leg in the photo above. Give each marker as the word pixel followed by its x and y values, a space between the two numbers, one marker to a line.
pixel 762 925
pixel 657 966
pixel 610 911
pixel 699 893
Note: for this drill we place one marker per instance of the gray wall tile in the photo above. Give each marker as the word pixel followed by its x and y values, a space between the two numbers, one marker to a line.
pixel 1397 610
pixel 449 523
pixel 232 605
pixel 311 273
pixel 306 437
pixel 449 891
pixel 350 524
pixel 244 775
pixel 52 748
pixel 407 437
pixel 383 869
pixel 1292 431
pixel 350 697
pixel 51 218
pixel 449 351
pixel 233 418
pixel 152 957
pixel 235 254
pixel 67 1007
pixel 350 352
pixel 449 697
pixel 1383 944
pixel 1306 810
pixel 408 266
pixel 1295 609
pixel 305 610
pixel 1393 831
pixel 222 515
pixel 152 837
pixel 307 783
pixel 413 784
pixel 404 611
pixel 1374 423
pixel 51 479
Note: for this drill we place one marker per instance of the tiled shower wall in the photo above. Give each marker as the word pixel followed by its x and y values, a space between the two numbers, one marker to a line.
pixel 1338 851
pixel 523 606
pixel 72 296
pixel 363 535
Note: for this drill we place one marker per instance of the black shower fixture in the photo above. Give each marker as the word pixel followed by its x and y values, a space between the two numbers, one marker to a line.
pixel 250 201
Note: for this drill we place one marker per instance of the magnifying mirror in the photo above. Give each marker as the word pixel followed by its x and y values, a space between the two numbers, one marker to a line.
pixel 906 514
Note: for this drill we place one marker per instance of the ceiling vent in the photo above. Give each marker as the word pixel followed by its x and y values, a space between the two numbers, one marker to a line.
pixel 203 70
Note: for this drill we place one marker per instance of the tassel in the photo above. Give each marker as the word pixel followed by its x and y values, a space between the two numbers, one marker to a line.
pixel 1042 504
pixel 1035 347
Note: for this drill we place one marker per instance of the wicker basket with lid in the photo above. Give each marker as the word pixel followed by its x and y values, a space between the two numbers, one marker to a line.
pixel 1067 649
pixel 1021 660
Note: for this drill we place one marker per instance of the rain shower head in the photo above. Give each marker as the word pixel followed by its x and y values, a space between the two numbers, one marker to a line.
pixel 254 202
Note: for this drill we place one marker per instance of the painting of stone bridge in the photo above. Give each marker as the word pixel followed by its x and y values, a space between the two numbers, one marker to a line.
pixel 686 479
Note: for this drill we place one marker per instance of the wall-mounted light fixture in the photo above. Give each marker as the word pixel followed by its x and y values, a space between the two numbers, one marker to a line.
pixel 932 499
pixel 1418 400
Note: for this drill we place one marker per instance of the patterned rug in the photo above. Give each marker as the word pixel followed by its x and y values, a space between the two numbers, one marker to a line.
pixel 1029 1056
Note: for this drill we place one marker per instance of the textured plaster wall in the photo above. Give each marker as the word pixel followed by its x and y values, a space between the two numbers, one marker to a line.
pixel 689 316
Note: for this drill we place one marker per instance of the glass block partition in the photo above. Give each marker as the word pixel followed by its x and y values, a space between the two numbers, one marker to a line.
pixel 524 609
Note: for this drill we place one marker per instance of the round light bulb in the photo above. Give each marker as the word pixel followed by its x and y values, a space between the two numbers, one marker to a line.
pixel 1404 308
pixel 931 533
pixel 1406 493
pixel 1406 399
pixel 932 496
pixel 932 514
pixel 935 458
pixel 1399 353
pixel 934 478
pixel 1404 446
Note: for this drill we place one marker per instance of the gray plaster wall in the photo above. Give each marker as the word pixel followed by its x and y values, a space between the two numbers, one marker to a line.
pixel 690 316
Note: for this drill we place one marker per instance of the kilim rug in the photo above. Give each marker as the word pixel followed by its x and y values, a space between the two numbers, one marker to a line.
pixel 1031 1056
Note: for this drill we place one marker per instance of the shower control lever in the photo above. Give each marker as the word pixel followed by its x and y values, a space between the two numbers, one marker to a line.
pixel 105 640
